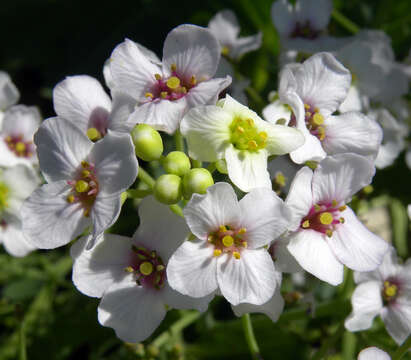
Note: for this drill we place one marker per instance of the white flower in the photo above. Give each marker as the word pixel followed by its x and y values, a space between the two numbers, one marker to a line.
pixel 163 94
pixel 385 292
pixel 373 353
pixel 82 100
pixel 224 26
pixel 16 184
pixel 85 181
pixel 327 234
pixel 129 274
pixel 9 95
pixel 237 134
pixel 227 253
pixel 16 136
pixel 315 90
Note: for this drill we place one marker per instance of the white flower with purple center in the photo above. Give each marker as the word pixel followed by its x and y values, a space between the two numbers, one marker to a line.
pixel 16 184
pixel 82 100
pixel 85 182
pixel 326 233
pixel 129 274
pixel 224 26
pixel 315 90
pixel 233 132
pixel 228 254
pixel 16 136
pixel 162 94
pixel 385 292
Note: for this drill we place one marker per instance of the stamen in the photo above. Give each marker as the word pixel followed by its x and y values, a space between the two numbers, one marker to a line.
pixel 85 164
pixel 217 252
pixel 20 147
pixel 160 267
pixel 164 94
pixel 157 76
pixel 193 80
pixel 329 232
pixel 146 268
pixel 173 67
pixel 342 220
pixel 93 134
pixel 225 50
pixel 81 186
pixel 307 107
pixel 129 269
pixel 306 224
pixel 245 244
pixel 228 241
pixel 318 119
pixel 334 203
pixel 342 208
pixel 223 228
pixel 70 199
pixel 148 94
pixel 236 255
pixel 242 231
pixel 173 82
pixel 326 218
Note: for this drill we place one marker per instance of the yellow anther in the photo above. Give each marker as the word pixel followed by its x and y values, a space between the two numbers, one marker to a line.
pixel 82 186
pixel 280 179
pixel 157 76
pixel 321 132
pixel 173 67
pixel 317 207
pixel 183 90
pixel 306 224
pixel 223 228
pixel 193 80
pixel 160 267
pixel 20 147
pixel 93 134
pixel 242 231
pixel 129 269
pixel 390 290
pixel 173 82
pixel 164 94
pixel 228 241
pixel 307 107
pixel 146 268
pixel 342 208
pixel 281 121
pixel 263 135
pixel 86 212
pixel 85 173
pixel 341 220
pixel 308 114
pixel 252 145
pixel 329 233
pixel 237 255
pixel 326 218
pixel 225 50
pixel 148 94
pixel 210 238
pixel 318 119
pixel 316 109
pixel 70 199
pixel 85 164
pixel 244 244
pixel 334 203
pixel 217 252
pixel 240 129
pixel 250 122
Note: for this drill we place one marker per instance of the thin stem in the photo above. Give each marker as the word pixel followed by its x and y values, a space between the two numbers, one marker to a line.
pixel 196 163
pixel 179 140
pixel 211 167
pixel 330 341
pixel 138 193
pixel 402 349
pixel 250 338
pixel 344 21
pixel 145 177
pixel 22 342
pixel 255 96
pixel 176 209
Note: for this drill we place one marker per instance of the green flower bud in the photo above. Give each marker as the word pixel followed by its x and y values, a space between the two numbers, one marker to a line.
pixel 196 181
pixel 176 163
pixel 167 189
pixel 221 166
pixel 147 142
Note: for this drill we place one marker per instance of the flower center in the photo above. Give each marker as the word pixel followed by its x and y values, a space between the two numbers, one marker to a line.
pixel 19 146
pixel 314 121
pixel 324 217
pixel 245 135
pixel 148 268
pixel 4 195
pixel 84 188
pixel 390 291
pixel 98 124
pixel 228 240
pixel 305 30
pixel 172 88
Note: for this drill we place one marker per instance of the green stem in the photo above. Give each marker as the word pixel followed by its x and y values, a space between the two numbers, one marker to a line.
pixel 211 167
pixel 250 338
pixel 344 21
pixel 255 96
pixel 179 140
pixel 176 209
pixel 22 342
pixel 402 349
pixel 196 163
pixel 330 341
pixel 145 177
pixel 188 318
pixel 138 193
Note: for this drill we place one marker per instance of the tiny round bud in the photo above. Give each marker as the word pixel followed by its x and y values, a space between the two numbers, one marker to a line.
pixel 221 166
pixel 167 189
pixel 176 163
pixel 196 181
pixel 147 142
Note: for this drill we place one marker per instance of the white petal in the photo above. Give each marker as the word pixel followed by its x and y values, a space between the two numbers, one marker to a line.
pixel 115 163
pixel 123 106
pixel 373 353
pixel 282 257
pixel 95 270
pixel 207 92
pixel 224 26
pixel 194 51
pixel 192 269
pixel 250 279
pixel 164 115
pixel 244 45
pixel 9 95
pixel 366 303
pixel 353 101
pixel 132 311
pixel 49 221
pixel 13 240
pixel 312 252
pixel 299 198
pixel 133 73
pixel 206 213
pixel 61 147
pixel 21 120
pixel 247 169
pixel 77 98
pixel 160 229
pixel 311 150
pixel 175 300
pixel 282 16
pixel 207 129
pixel 355 246
pixel 352 132
pixel 341 176
pixel 318 12
pixel 275 111
pixel 397 320
pixel 265 217
pixel 281 139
